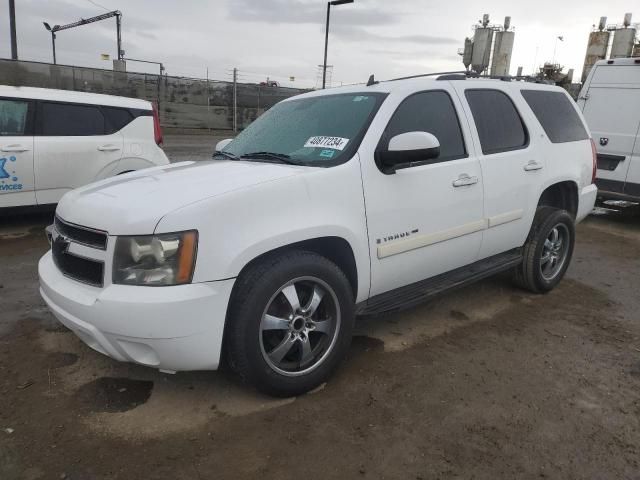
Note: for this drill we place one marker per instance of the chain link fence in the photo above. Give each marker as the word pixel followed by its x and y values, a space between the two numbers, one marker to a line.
pixel 185 104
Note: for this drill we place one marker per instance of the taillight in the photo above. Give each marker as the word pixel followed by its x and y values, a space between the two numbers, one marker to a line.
pixel 157 129
pixel 594 154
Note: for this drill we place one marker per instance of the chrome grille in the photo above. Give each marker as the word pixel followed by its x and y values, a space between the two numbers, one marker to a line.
pixel 82 235
pixel 72 265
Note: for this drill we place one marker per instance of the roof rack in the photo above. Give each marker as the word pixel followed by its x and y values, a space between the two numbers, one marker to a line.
pixel 456 75
pixel 435 74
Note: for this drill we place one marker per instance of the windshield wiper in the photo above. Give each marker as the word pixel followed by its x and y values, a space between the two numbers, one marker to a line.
pixel 228 155
pixel 280 157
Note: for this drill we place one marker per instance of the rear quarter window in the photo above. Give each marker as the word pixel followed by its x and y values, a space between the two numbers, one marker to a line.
pixel 557 115
pixel 117 118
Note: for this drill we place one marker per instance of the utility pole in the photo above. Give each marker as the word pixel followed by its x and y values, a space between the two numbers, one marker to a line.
pixel 12 28
pixel 235 99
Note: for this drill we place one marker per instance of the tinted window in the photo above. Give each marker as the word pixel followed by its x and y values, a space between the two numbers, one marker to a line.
pixel 556 114
pixel 431 112
pixel 117 118
pixel 71 120
pixel 499 125
pixel 13 117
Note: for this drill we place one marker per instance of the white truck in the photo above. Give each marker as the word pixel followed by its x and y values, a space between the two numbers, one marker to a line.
pixel 335 203
pixel 52 141
pixel 610 102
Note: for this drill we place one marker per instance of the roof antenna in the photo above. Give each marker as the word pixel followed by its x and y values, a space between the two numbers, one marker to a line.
pixel 371 81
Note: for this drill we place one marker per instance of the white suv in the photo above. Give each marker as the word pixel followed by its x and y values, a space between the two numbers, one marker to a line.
pixel 52 141
pixel 335 203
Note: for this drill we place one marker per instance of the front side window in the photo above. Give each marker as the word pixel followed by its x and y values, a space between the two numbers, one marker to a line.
pixel 13 117
pixel 499 124
pixel 431 112
pixel 557 115
pixel 68 120
pixel 318 131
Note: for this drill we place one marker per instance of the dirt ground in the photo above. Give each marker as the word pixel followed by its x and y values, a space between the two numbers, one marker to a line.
pixel 485 382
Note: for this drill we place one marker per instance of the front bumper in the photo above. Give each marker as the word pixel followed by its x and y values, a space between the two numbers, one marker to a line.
pixel 587 201
pixel 174 328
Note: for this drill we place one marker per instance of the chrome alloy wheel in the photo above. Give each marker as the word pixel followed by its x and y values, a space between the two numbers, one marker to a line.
pixel 554 251
pixel 299 326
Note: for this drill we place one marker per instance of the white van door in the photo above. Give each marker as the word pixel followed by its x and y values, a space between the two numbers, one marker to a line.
pixel 612 111
pixel 72 148
pixel 16 153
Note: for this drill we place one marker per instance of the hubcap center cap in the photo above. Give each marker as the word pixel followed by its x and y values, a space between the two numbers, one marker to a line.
pixel 298 324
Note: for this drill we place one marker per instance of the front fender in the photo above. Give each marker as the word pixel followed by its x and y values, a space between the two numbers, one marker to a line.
pixel 239 226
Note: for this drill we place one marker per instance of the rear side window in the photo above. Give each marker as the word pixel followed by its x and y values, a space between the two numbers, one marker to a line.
pixel 117 118
pixel 557 115
pixel 499 124
pixel 13 117
pixel 431 112
pixel 68 120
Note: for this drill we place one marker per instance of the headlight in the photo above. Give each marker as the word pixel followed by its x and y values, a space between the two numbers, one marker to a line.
pixel 166 259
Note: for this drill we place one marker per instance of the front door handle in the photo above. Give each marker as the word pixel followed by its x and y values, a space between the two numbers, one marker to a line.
pixel 108 148
pixel 464 180
pixel 532 165
pixel 14 148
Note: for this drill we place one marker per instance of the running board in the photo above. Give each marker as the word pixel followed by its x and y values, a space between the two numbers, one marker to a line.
pixel 417 293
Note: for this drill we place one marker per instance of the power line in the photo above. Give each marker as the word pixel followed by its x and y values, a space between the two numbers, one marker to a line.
pixel 98 5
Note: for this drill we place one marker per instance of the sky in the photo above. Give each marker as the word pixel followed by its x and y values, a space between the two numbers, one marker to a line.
pixel 285 38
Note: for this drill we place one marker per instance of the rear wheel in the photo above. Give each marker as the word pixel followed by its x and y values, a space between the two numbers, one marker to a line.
pixel 289 323
pixel 548 250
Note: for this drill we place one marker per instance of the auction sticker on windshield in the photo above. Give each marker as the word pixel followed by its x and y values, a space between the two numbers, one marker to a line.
pixel 337 143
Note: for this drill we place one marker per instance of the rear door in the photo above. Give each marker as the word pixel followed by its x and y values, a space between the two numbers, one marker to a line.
pixel 612 111
pixel 72 148
pixel 16 153
pixel 512 168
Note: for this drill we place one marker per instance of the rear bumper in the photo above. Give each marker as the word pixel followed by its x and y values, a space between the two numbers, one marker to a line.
pixel 171 328
pixel 586 202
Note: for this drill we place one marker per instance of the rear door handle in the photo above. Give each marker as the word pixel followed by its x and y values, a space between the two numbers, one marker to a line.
pixel 14 148
pixel 108 148
pixel 464 180
pixel 532 165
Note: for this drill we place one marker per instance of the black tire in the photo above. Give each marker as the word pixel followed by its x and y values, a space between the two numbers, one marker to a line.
pixel 257 290
pixel 529 274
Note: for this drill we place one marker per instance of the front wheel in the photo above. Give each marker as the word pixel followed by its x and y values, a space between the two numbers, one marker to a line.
pixel 290 322
pixel 548 250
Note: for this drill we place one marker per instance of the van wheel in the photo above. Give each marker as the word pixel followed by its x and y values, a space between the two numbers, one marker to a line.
pixel 548 250
pixel 289 323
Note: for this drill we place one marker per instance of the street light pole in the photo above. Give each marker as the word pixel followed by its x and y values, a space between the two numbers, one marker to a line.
pixel 53 37
pixel 12 29
pixel 326 37
pixel 53 44
pixel 326 46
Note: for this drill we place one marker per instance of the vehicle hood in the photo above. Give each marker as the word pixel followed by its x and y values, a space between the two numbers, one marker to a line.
pixel 134 203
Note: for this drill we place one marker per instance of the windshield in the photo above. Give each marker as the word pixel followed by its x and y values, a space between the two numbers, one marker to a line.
pixel 319 131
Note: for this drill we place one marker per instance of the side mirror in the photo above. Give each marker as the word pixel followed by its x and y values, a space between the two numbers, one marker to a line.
pixel 223 143
pixel 408 148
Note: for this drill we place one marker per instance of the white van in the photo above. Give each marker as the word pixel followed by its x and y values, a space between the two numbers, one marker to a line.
pixel 52 141
pixel 610 102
